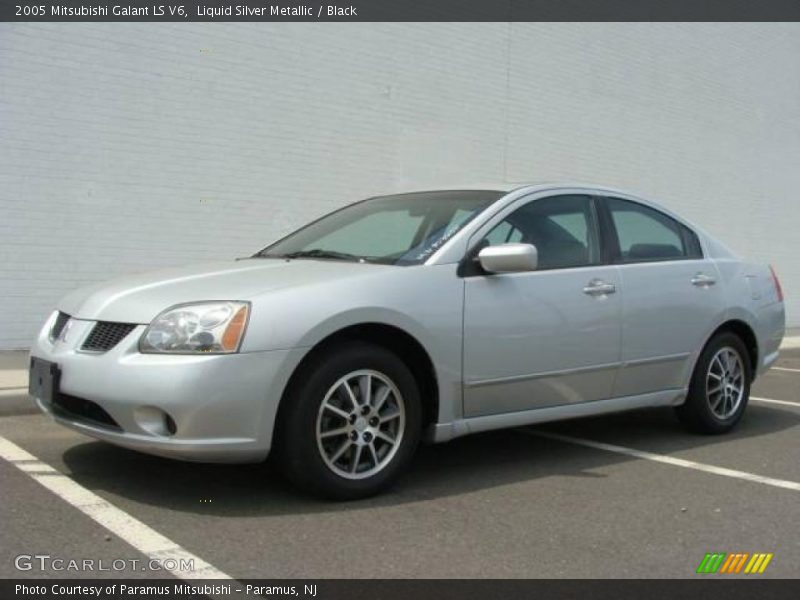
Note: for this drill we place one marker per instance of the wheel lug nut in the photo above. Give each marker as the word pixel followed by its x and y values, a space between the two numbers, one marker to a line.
pixel 353 436
pixel 365 410
pixel 352 419
pixel 367 436
pixel 373 421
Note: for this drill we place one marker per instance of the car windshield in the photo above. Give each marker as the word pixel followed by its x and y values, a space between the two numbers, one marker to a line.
pixel 404 229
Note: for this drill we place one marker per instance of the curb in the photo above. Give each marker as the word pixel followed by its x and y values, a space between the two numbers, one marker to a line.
pixel 13 391
pixel 791 343
pixel 15 402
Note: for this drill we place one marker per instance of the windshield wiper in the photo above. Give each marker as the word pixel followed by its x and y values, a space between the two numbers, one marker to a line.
pixel 320 253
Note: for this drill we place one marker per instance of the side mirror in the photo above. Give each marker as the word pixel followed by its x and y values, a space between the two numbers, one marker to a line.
pixel 509 258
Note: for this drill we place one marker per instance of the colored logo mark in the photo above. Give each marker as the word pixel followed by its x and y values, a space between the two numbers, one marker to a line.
pixel 735 562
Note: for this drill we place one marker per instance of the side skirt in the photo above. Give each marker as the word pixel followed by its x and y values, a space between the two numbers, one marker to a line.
pixel 442 432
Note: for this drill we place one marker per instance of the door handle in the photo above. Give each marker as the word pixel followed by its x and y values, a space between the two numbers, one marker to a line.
pixel 598 287
pixel 701 279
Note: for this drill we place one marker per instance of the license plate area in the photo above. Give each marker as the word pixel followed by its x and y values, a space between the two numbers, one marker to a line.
pixel 43 380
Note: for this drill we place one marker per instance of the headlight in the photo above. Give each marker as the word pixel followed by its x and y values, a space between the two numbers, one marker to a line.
pixel 204 327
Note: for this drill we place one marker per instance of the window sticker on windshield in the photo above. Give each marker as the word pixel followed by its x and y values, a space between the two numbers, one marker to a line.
pixel 438 242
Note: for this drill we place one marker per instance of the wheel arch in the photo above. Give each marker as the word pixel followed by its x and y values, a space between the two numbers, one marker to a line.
pixel 395 339
pixel 746 334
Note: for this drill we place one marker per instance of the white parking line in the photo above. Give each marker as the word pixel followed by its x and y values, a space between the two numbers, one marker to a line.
pixel 142 537
pixel 785 369
pixel 771 401
pixel 670 460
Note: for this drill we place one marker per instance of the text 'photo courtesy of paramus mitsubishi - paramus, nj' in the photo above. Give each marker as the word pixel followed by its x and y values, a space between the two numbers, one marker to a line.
pixel 426 315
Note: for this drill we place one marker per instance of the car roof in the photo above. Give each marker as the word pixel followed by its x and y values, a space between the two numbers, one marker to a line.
pixel 494 186
pixel 507 187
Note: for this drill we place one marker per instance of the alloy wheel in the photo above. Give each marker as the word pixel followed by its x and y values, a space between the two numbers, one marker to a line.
pixel 725 382
pixel 360 424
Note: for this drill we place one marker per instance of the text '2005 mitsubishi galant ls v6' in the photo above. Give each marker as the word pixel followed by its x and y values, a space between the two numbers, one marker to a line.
pixel 414 316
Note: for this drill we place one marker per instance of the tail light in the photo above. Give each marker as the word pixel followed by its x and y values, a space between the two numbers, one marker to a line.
pixel 777 284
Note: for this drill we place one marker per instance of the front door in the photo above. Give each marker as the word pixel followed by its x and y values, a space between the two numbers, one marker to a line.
pixel 546 337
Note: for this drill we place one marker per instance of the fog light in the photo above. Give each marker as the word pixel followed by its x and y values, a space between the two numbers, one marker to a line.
pixel 154 420
pixel 170 423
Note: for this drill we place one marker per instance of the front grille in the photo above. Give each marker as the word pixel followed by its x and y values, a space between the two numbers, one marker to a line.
pixel 105 335
pixel 58 326
pixel 83 411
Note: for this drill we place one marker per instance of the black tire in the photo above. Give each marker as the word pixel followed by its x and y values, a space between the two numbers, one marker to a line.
pixel 697 413
pixel 300 452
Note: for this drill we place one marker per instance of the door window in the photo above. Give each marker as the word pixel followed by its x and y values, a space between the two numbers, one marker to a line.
pixel 646 234
pixel 561 227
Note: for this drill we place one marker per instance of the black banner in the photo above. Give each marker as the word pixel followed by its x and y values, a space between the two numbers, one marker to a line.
pixel 711 588
pixel 402 10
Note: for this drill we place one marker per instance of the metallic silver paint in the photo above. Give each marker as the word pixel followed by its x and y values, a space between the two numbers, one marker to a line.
pixel 509 258
pixel 523 326
pixel 665 315
pixel 507 349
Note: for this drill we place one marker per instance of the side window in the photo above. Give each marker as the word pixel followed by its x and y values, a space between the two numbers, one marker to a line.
pixel 504 233
pixel 561 227
pixel 646 234
pixel 692 243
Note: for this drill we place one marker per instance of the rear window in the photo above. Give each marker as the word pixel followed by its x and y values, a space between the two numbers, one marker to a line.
pixel 646 234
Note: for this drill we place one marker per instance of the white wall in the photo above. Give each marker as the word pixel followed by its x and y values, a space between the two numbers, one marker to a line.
pixel 132 146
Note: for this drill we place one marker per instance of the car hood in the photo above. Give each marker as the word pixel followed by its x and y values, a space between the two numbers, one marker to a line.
pixel 140 298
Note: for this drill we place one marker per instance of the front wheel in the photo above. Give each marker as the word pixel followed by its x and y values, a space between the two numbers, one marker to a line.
pixel 720 386
pixel 351 423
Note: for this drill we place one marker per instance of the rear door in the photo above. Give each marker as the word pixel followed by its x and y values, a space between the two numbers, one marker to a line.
pixel 672 297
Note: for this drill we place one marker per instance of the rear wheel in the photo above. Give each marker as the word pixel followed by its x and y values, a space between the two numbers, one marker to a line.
pixel 351 423
pixel 720 386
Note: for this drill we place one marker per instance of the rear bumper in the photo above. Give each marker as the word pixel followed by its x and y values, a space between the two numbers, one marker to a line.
pixel 772 325
pixel 223 406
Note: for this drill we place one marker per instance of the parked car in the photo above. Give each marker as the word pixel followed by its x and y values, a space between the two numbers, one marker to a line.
pixel 422 315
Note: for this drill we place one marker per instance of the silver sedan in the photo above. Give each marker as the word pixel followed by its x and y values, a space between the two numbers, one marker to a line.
pixel 426 315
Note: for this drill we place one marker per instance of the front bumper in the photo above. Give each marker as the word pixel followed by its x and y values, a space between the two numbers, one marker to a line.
pixel 223 406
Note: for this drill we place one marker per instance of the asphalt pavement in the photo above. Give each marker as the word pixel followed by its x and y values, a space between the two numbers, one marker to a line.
pixel 627 495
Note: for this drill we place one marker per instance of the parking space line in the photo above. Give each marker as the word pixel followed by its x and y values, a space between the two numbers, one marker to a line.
pixel 785 369
pixel 771 401
pixel 670 460
pixel 129 529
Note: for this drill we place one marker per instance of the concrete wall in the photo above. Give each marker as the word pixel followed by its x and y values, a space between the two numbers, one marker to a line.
pixel 127 147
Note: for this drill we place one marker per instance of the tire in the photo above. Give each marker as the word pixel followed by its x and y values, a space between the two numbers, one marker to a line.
pixel 329 441
pixel 709 408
